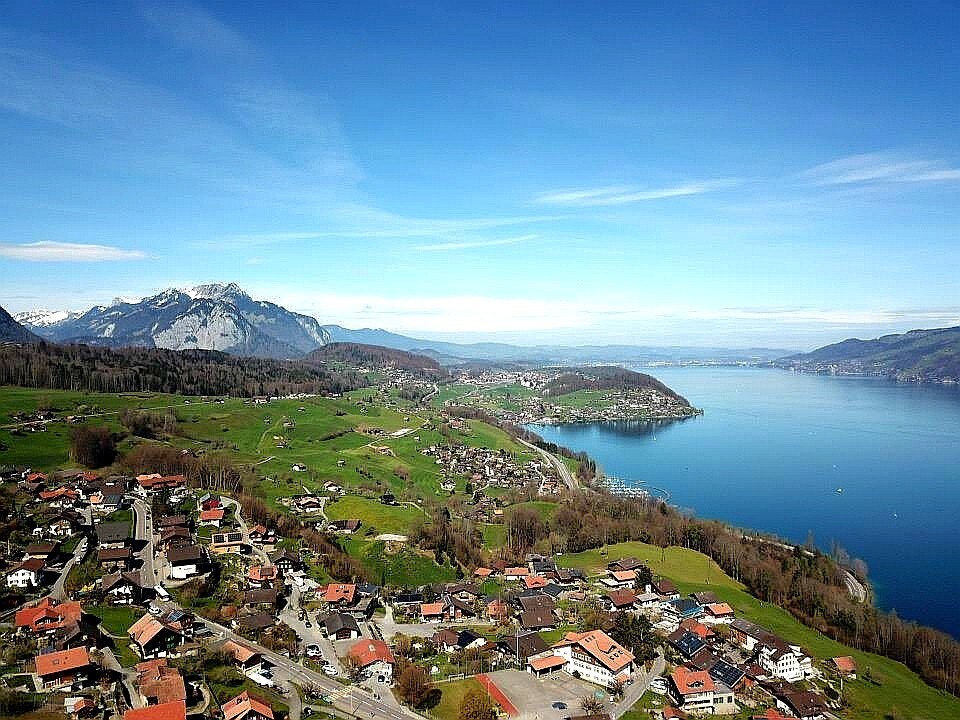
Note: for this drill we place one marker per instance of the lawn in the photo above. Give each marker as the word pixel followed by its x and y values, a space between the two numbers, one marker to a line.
pixel 116 620
pixel 494 536
pixel 452 694
pixel 408 567
pixel 374 514
pixel 900 694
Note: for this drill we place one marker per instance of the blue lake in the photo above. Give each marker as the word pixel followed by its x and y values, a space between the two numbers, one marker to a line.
pixel 773 447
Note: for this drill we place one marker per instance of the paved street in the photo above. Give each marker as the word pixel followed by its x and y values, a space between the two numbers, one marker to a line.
pixel 143 532
pixel 557 463
pixel 636 689
pixel 56 591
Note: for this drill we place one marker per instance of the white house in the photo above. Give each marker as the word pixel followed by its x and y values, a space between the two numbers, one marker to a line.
pixel 27 574
pixel 595 657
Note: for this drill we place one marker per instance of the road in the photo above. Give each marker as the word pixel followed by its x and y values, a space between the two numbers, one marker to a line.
pixel 143 530
pixel 636 689
pixel 56 591
pixel 557 463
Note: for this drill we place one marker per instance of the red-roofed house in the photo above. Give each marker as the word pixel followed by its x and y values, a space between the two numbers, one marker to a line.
pixel 158 683
pixel 211 517
pixel 67 669
pixel 262 576
pixel 717 613
pixel 341 594
pixel 845 665
pixel 516 573
pixel 176 710
pixel 533 582
pixel 246 707
pixel 47 616
pixel 374 657
pixel 696 692
pixel 620 578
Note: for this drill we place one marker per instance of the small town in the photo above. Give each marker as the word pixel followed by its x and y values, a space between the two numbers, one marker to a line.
pixel 115 620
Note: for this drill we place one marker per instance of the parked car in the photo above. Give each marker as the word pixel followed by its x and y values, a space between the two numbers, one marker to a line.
pixel 330 670
pixel 312 651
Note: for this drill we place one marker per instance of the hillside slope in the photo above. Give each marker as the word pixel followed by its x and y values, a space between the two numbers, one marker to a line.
pixel 12 331
pixel 918 355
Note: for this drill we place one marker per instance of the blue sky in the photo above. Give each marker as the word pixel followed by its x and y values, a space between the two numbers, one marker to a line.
pixel 572 172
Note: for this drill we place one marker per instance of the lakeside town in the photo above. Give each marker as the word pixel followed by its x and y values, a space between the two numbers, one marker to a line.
pixel 143 597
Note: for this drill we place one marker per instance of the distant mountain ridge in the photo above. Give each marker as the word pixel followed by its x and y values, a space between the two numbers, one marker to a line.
pixel 224 317
pixel 12 331
pixel 918 355
pixel 207 317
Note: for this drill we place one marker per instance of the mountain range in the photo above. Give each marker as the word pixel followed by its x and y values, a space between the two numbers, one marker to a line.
pixel 918 355
pixel 224 317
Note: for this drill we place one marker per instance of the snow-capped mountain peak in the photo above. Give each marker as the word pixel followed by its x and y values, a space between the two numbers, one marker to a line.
pixel 44 318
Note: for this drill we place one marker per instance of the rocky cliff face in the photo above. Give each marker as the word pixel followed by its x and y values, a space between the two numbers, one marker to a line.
pixel 207 317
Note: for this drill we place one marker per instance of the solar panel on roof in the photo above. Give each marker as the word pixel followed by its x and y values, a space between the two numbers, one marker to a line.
pixel 726 673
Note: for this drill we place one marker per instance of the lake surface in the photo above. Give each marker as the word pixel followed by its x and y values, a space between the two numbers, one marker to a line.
pixel 773 447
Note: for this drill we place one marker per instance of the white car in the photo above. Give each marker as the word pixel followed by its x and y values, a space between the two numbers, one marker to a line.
pixel 330 670
pixel 312 651
pixel 659 685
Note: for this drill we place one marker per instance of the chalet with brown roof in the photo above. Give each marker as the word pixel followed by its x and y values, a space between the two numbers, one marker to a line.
pixel 162 636
pixel 622 599
pixel 115 559
pixel 261 600
pixel 123 588
pixel 28 574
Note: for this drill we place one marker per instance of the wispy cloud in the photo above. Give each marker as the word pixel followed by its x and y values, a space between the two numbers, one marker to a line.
pixel 624 194
pixel 880 167
pixel 464 245
pixel 50 251
pixel 364 222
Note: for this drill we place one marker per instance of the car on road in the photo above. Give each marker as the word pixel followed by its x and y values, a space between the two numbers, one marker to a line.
pixel 381 679
pixel 559 706
pixel 330 670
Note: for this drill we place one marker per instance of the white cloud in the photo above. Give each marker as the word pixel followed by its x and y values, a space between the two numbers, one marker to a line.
pixel 624 194
pixel 50 251
pixel 880 167
pixel 474 244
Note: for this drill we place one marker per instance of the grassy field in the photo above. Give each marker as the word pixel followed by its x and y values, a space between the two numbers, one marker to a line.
pixel 115 619
pixel 374 514
pixel 408 567
pixel 900 693
pixel 452 694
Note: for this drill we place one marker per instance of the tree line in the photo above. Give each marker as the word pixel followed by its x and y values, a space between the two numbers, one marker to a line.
pixel 182 372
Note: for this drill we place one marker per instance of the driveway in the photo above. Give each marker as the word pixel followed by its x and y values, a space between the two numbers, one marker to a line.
pixel 640 684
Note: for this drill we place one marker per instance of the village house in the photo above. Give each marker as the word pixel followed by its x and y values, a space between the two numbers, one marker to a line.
pixel 694 691
pixel 340 626
pixel 717 614
pixel 211 518
pixel 162 636
pixel 595 657
pixel 261 600
pixel 113 534
pixel 28 574
pixel 374 658
pixel 176 710
pixel 246 707
pixel 805 704
pixel 64 670
pixel 124 588
pixel 47 616
pixel 344 527
pixel 246 659
pixel 115 559
pixel 185 561
pixel 339 595
pixel 620 578
pixel 287 561
pixel 227 542
pixel 159 684
pixel 262 576
pixel 260 535
pixel 845 666
pixel 522 646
